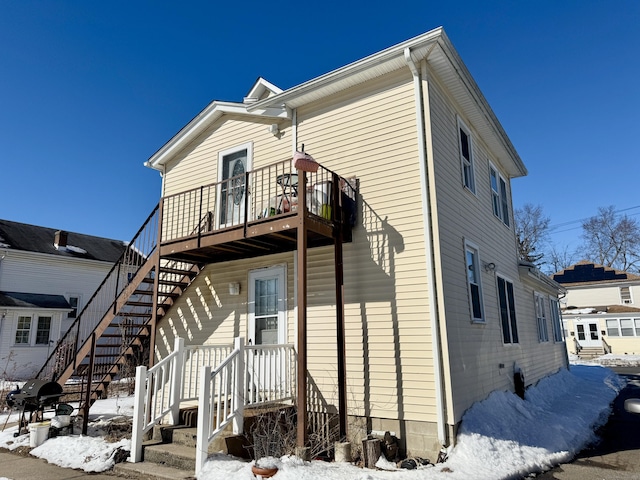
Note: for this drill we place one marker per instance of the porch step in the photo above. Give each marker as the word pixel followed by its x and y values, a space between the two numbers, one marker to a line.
pixel 152 471
pixel 172 455
pixel 590 352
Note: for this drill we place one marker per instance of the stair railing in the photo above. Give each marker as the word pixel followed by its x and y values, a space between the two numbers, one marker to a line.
pixel 141 247
pixel 157 395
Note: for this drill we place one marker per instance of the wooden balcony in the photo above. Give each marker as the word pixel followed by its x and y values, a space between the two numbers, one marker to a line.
pixel 259 212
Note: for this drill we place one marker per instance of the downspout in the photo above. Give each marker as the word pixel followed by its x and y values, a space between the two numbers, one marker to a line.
pixel 429 240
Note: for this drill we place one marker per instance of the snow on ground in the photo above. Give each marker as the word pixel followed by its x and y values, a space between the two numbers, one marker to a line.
pixel 502 437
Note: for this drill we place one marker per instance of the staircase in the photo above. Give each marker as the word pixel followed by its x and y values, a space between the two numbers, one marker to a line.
pixel 114 331
pixel 588 353
pixel 171 452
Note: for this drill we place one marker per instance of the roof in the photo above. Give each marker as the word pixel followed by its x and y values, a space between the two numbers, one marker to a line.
pixel 33 300
pixel 31 238
pixel 529 273
pixel 590 273
pixel 434 47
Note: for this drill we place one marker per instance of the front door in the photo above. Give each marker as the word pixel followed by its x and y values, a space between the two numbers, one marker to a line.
pixel 587 333
pixel 232 166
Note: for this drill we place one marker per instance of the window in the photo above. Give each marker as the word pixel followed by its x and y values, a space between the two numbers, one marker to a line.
pixel 23 331
pixel 507 311
pixel 473 283
pixel 612 328
pixel 625 295
pixel 623 327
pixel 554 309
pixel 499 195
pixel 626 327
pixel 73 302
pixel 466 156
pixel 43 330
pixel 541 317
pixel 267 309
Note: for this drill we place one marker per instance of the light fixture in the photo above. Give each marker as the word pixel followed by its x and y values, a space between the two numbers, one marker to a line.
pixel 273 129
pixel 234 288
pixel 489 267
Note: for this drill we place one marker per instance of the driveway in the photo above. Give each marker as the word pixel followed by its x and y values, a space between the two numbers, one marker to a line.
pixel 617 455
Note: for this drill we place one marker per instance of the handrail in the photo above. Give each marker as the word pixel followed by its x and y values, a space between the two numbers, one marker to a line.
pixel 577 345
pixel 607 348
pixel 103 300
pixel 157 395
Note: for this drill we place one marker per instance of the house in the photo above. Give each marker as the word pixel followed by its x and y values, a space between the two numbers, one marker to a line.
pixel 601 311
pixel 374 278
pixel 46 278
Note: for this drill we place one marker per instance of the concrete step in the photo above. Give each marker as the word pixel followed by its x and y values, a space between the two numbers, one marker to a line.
pixel 151 471
pixel 171 455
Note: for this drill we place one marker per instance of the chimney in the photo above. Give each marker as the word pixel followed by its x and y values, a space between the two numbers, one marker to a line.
pixel 60 239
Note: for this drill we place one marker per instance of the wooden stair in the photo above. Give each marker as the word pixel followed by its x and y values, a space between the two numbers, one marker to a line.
pixel 588 353
pixel 112 334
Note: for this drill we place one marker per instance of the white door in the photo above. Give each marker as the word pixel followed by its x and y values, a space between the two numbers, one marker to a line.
pixel 267 327
pixel 232 166
pixel 587 333
pixel 267 316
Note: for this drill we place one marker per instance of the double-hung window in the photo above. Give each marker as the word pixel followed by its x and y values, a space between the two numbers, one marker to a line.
pixel 472 263
pixel 541 317
pixel 466 156
pixel 554 309
pixel 625 295
pixel 507 311
pixel 499 195
pixel 43 330
pixel 23 331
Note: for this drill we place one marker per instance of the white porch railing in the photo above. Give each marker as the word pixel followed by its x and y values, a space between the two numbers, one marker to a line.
pixel 223 378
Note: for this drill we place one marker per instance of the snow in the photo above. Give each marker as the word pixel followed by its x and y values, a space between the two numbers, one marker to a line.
pixel 502 437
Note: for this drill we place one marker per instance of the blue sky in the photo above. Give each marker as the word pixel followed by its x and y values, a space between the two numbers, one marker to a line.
pixel 90 90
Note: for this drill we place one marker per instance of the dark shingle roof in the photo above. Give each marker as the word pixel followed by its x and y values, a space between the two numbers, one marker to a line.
pixel 31 238
pixel 32 300
pixel 586 272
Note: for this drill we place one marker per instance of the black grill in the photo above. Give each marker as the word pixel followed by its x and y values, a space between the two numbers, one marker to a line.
pixel 34 396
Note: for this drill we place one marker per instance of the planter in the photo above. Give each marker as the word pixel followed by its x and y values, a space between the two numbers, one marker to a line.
pixel 264 472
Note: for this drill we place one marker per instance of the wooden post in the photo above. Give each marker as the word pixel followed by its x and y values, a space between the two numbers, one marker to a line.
pixel 87 396
pixel 301 437
pixel 371 451
pixel 156 287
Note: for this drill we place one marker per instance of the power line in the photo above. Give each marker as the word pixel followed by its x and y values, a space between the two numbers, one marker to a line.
pixel 582 220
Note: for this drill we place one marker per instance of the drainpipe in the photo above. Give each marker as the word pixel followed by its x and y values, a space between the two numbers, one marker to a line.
pixel 429 241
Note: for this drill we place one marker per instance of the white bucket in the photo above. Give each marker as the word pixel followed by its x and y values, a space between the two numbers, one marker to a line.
pixel 38 433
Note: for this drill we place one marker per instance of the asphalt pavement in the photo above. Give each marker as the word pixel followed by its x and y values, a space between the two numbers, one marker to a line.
pixel 617 454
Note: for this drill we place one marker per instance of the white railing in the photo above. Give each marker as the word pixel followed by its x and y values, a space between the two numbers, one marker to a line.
pixel 195 358
pixel 157 395
pixel 251 375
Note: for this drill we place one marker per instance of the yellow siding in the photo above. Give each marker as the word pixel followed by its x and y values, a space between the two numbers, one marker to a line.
pixel 474 352
pixel 371 133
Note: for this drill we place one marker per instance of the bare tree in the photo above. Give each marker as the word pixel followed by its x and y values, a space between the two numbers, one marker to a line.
pixel 532 229
pixel 612 240
pixel 559 259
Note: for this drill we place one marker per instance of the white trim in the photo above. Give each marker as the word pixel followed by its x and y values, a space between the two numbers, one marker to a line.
pixel 248 146
pixel 507 279
pixel 462 126
pixel 502 194
pixel 542 324
pixel 280 273
pixel 473 248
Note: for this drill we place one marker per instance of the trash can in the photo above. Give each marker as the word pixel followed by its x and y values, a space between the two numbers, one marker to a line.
pixel 38 433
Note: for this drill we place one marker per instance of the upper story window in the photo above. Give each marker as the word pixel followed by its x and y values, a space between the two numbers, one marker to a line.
pixel 74 302
pixel 507 305
pixel 554 309
pixel 541 317
pixel 472 262
pixel 625 295
pixel 466 156
pixel 499 195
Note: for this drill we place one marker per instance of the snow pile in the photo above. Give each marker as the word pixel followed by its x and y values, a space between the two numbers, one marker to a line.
pixel 502 437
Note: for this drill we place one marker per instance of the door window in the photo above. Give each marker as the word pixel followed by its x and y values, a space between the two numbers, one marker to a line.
pixel 267 306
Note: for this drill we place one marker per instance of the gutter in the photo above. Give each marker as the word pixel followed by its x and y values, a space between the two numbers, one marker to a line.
pixel 429 241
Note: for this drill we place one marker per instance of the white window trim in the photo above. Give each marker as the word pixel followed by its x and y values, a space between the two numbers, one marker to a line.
pixel 469 246
pixel 472 187
pixel 54 327
pixel 556 320
pixel 68 296
pixel 502 196
pixel 507 280
pixel 248 146
pixel 622 301
pixel 541 317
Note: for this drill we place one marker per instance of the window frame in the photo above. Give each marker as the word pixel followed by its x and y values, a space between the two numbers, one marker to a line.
pixel 22 330
pixel 541 317
pixel 41 331
pixel 466 164
pixel 75 310
pixel 622 297
pixel 470 248
pixel 499 195
pixel 512 319
pixel 556 320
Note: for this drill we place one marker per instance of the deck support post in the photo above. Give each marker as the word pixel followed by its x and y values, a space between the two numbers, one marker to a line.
pixel 340 331
pixel 156 290
pixel 301 437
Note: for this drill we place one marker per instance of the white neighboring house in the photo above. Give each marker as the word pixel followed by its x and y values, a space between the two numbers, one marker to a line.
pixel 601 311
pixel 46 278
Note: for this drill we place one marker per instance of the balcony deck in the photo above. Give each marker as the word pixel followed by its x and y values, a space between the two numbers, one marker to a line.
pixel 220 222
